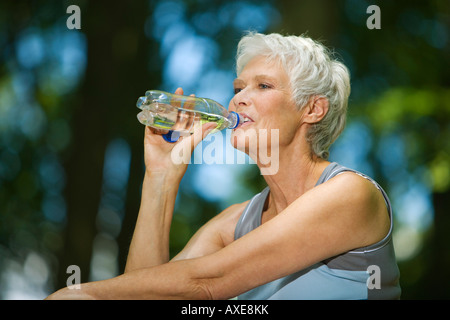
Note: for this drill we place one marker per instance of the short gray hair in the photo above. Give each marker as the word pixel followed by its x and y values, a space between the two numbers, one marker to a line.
pixel 313 71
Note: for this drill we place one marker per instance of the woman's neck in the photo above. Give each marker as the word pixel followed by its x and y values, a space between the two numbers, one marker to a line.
pixel 297 173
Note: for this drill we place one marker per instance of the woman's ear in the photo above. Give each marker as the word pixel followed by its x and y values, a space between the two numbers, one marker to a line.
pixel 316 109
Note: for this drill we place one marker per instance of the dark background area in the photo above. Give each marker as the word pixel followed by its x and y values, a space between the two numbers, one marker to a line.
pixel 71 155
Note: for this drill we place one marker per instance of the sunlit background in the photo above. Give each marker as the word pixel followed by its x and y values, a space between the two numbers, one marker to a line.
pixel 71 147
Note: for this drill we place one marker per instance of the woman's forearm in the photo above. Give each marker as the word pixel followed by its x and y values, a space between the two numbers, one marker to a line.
pixel 150 243
pixel 175 280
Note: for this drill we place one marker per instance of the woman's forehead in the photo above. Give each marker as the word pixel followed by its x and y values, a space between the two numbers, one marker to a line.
pixel 262 67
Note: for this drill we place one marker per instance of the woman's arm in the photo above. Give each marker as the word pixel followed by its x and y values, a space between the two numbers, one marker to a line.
pixel 344 213
pixel 150 243
pixel 175 280
pixel 216 234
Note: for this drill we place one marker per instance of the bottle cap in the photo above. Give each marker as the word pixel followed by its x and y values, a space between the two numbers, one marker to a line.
pixel 238 118
pixel 171 136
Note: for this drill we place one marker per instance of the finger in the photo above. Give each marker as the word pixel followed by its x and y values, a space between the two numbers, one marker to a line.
pixel 179 91
pixel 177 101
pixel 151 130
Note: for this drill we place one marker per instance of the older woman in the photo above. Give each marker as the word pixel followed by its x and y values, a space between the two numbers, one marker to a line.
pixel 318 231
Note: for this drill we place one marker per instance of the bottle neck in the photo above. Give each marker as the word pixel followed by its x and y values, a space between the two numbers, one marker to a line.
pixel 234 119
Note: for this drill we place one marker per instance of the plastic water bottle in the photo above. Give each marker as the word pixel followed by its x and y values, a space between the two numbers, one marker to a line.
pixel 179 114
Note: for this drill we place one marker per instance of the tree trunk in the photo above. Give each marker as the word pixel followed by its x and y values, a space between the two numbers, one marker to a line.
pixel 319 19
pixel 116 75
pixel 436 280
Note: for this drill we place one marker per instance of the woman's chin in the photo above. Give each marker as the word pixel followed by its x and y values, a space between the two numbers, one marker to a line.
pixel 242 139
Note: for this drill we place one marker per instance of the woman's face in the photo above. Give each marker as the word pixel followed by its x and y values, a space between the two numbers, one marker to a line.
pixel 263 96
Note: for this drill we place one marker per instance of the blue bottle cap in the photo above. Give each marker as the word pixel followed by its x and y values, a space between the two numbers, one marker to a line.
pixel 171 136
pixel 238 120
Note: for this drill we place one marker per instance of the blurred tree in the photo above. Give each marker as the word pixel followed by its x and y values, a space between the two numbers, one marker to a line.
pixel 420 117
pixel 31 178
pixel 412 105
pixel 54 131
pixel 116 74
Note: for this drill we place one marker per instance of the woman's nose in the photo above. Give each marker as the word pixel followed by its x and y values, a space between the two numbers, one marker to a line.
pixel 241 99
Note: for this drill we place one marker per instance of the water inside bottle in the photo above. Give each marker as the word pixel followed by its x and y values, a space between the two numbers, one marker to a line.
pixel 167 117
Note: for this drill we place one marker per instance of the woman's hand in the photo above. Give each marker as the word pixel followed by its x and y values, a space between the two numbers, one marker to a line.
pixel 162 156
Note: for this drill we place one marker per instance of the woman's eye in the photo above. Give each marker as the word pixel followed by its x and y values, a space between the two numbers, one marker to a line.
pixel 237 90
pixel 264 86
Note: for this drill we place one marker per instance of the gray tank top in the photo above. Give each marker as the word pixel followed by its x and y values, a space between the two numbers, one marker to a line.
pixel 365 273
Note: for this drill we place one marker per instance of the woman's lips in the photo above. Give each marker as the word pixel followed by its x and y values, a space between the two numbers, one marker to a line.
pixel 245 120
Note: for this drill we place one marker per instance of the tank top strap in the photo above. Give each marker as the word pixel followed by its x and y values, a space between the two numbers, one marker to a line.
pixel 332 170
pixel 251 216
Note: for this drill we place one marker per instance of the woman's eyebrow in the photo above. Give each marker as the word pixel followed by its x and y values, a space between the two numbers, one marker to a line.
pixel 238 81
pixel 259 77
pixel 266 77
